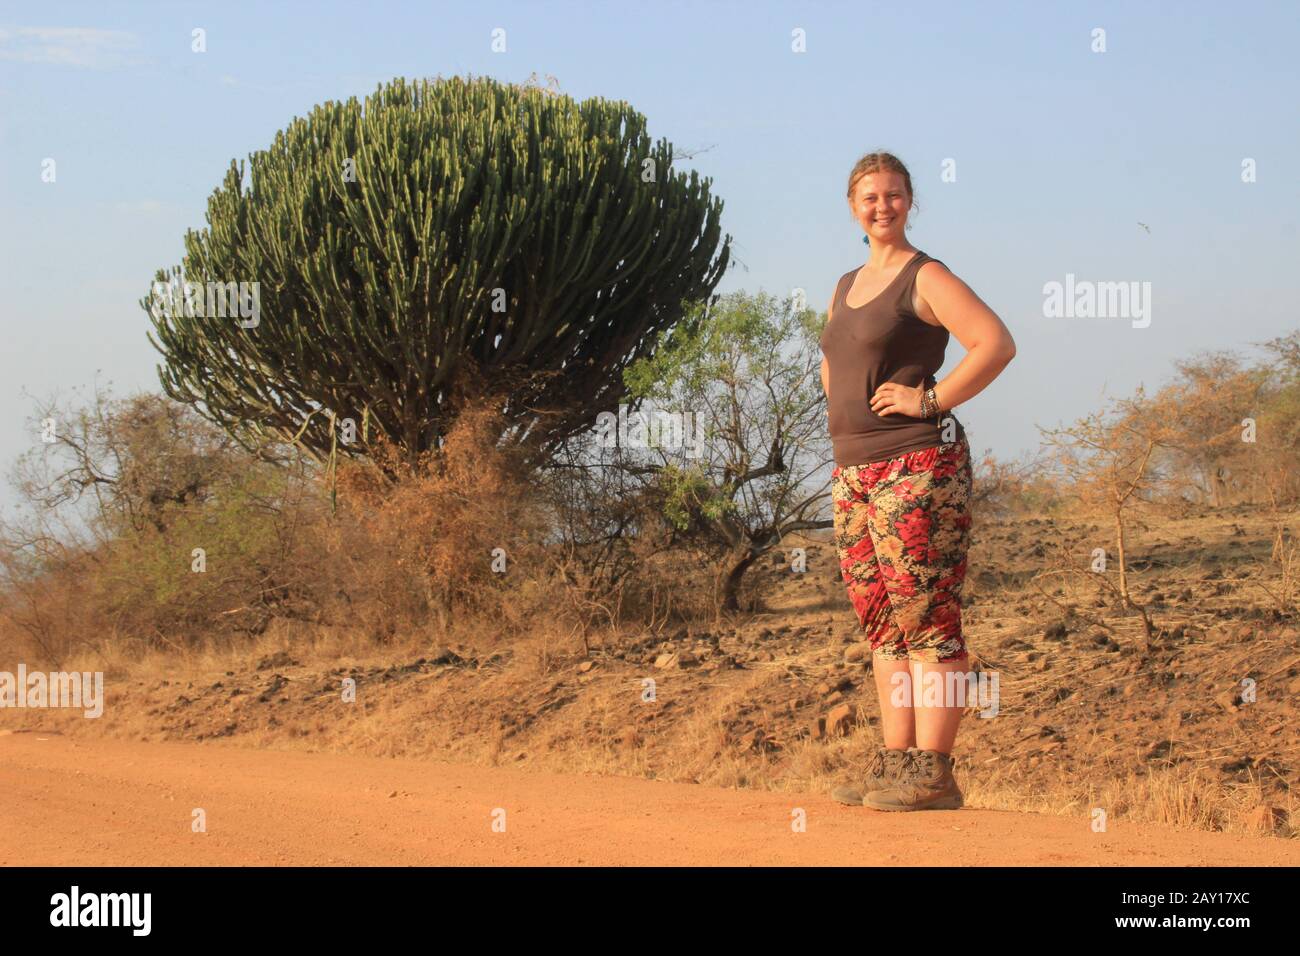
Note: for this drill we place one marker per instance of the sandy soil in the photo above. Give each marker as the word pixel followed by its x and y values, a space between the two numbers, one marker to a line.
pixel 105 802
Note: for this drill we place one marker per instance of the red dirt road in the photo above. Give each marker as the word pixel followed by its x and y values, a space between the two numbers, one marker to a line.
pixel 108 803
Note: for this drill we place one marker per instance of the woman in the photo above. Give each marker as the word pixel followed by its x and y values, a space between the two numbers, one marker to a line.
pixel 902 480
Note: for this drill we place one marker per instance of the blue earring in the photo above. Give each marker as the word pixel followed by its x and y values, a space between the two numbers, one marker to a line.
pixel 867 240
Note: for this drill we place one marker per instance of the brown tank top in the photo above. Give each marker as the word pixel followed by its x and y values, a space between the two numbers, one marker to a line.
pixel 881 341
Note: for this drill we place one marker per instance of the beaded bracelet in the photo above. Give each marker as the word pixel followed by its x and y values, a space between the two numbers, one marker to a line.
pixel 929 404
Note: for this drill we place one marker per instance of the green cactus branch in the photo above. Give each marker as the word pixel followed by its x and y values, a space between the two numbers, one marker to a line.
pixel 378 234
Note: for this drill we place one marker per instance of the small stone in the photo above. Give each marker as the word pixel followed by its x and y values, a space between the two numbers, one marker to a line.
pixel 839 720
pixel 1160 750
pixel 1266 818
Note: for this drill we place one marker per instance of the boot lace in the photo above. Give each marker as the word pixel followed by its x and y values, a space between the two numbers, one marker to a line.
pixel 884 759
pixel 920 765
pixel 876 765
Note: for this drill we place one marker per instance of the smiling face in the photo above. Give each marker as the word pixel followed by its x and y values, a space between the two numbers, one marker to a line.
pixel 880 204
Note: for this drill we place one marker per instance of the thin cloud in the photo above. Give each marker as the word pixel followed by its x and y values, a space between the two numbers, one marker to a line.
pixel 84 47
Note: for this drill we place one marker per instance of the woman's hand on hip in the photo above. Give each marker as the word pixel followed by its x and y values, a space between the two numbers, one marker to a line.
pixel 892 398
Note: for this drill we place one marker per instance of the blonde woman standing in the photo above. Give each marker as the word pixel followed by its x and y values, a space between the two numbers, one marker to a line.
pixel 901 485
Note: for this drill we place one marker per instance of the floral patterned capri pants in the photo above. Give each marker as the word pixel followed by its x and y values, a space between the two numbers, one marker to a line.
pixel 902 528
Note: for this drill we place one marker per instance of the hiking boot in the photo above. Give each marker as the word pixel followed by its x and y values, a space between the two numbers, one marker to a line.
pixel 882 771
pixel 926 783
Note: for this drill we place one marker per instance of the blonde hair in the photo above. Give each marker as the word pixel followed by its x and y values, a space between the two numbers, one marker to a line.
pixel 881 162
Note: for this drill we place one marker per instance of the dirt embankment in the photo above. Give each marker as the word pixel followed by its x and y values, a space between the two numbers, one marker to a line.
pixel 1196 734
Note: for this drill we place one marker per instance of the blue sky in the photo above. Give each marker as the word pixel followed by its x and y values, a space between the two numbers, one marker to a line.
pixel 1060 152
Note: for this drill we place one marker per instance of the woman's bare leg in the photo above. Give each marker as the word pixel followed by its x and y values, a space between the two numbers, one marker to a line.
pixel 896 723
pixel 937 709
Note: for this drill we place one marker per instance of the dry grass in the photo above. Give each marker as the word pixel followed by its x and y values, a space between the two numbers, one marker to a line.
pixel 553 670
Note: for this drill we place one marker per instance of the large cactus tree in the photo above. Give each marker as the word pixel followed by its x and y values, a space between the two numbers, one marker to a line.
pixel 442 227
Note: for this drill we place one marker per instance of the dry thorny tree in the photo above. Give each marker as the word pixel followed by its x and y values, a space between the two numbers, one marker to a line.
pixel 1106 460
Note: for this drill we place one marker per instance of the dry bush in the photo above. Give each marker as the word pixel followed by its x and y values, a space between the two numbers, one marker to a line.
pixel 143 589
pixel 1014 488
pixel 103 553
pixel 622 564
pixel 45 618
pixel 459 527
pixel 412 549
pixel 1233 432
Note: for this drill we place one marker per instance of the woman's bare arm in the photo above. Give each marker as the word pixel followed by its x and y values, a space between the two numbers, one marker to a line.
pixel 988 343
